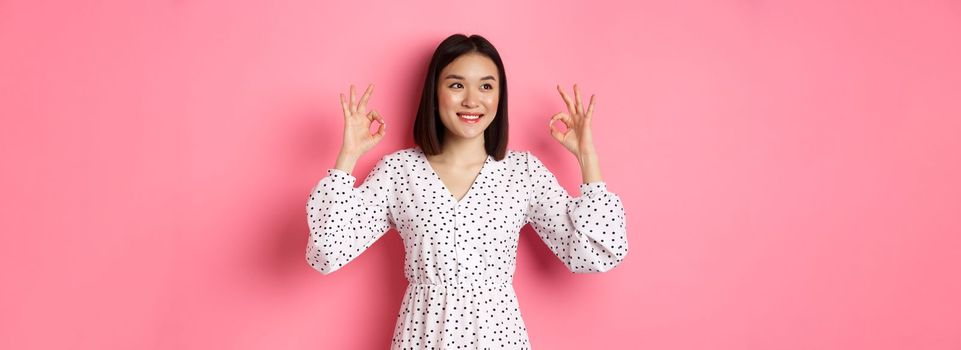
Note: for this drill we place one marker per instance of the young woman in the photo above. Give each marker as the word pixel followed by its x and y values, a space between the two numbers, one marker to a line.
pixel 459 199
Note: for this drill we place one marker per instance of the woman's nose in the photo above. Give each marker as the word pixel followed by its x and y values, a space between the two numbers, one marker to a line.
pixel 470 100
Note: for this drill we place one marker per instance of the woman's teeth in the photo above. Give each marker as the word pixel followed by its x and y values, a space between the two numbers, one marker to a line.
pixel 470 118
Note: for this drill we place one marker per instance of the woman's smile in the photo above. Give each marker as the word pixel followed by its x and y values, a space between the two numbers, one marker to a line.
pixel 470 118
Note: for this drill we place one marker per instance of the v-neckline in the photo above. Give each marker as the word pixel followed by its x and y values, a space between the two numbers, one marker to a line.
pixel 450 194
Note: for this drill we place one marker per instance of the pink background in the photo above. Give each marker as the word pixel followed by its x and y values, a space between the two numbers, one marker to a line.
pixel 790 169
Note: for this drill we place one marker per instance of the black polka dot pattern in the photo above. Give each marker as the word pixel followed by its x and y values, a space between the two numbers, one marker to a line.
pixel 460 254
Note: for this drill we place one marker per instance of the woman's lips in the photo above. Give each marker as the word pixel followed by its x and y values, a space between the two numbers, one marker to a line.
pixel 470 118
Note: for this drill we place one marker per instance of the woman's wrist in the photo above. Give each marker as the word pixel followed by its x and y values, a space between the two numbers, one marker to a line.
pixel 346 162
pixel 590 166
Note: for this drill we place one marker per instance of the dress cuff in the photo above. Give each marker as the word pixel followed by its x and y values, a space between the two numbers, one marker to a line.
pixel 593 188
pixel 341 177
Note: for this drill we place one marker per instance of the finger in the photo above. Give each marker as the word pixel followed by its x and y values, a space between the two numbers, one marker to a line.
pixel 559 136
pixel 590 108
pixel 381 130
pixel 577 100
pixel 363 99
pixel 343 105
pixel 352 107
pixel 374 115
pixel 567 101
pixel 563 117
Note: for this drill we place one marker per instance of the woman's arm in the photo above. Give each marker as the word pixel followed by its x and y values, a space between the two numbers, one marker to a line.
pixel 588 233
pixel 344 221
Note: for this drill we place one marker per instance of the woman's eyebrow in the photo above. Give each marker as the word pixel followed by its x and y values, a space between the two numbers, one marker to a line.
pixel 455 76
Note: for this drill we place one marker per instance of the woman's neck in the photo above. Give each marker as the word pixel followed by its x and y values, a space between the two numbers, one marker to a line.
pixel 460 151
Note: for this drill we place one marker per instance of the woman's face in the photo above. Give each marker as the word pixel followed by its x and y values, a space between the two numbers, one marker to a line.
pixel 468 90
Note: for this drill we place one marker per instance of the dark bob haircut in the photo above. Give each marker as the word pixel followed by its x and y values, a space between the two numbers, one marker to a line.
pixel 428 129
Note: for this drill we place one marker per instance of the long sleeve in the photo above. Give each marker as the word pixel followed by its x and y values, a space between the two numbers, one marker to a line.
pixel 344 221
pixel 588 233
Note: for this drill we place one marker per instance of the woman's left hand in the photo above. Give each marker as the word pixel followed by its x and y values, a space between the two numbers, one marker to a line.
pixel 577 138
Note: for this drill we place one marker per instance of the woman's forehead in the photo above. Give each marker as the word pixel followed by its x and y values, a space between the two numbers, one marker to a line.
pixel 470 66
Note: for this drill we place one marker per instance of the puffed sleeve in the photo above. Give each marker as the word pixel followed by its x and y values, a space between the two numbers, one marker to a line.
pixel 588 233
pixel 344 221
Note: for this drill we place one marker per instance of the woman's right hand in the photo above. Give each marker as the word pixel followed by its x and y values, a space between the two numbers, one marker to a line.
pixel 357 120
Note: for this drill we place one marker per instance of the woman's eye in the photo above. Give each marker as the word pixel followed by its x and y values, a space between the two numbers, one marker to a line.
pixel 459 85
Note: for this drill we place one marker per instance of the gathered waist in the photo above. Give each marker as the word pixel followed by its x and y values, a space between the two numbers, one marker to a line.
pixel 461 285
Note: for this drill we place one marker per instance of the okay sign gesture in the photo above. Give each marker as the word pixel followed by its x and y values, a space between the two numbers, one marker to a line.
pixel 577 139
pixel 357 120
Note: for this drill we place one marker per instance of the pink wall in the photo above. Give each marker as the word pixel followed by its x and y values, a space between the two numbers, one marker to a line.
pixel 790 169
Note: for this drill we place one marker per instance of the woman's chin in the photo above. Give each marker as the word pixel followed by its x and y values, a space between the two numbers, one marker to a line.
pixel 468 131
pixel 469 134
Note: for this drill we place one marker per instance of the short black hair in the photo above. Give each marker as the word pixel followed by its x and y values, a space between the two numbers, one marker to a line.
pixel 428 129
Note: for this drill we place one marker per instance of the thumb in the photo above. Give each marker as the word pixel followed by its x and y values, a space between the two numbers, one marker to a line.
pixel 559 136
pixel 381 131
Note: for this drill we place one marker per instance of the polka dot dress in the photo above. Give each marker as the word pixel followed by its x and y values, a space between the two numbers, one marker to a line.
pixel 460 255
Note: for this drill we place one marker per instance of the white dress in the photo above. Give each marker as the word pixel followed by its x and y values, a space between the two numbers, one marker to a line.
pixel 460 255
